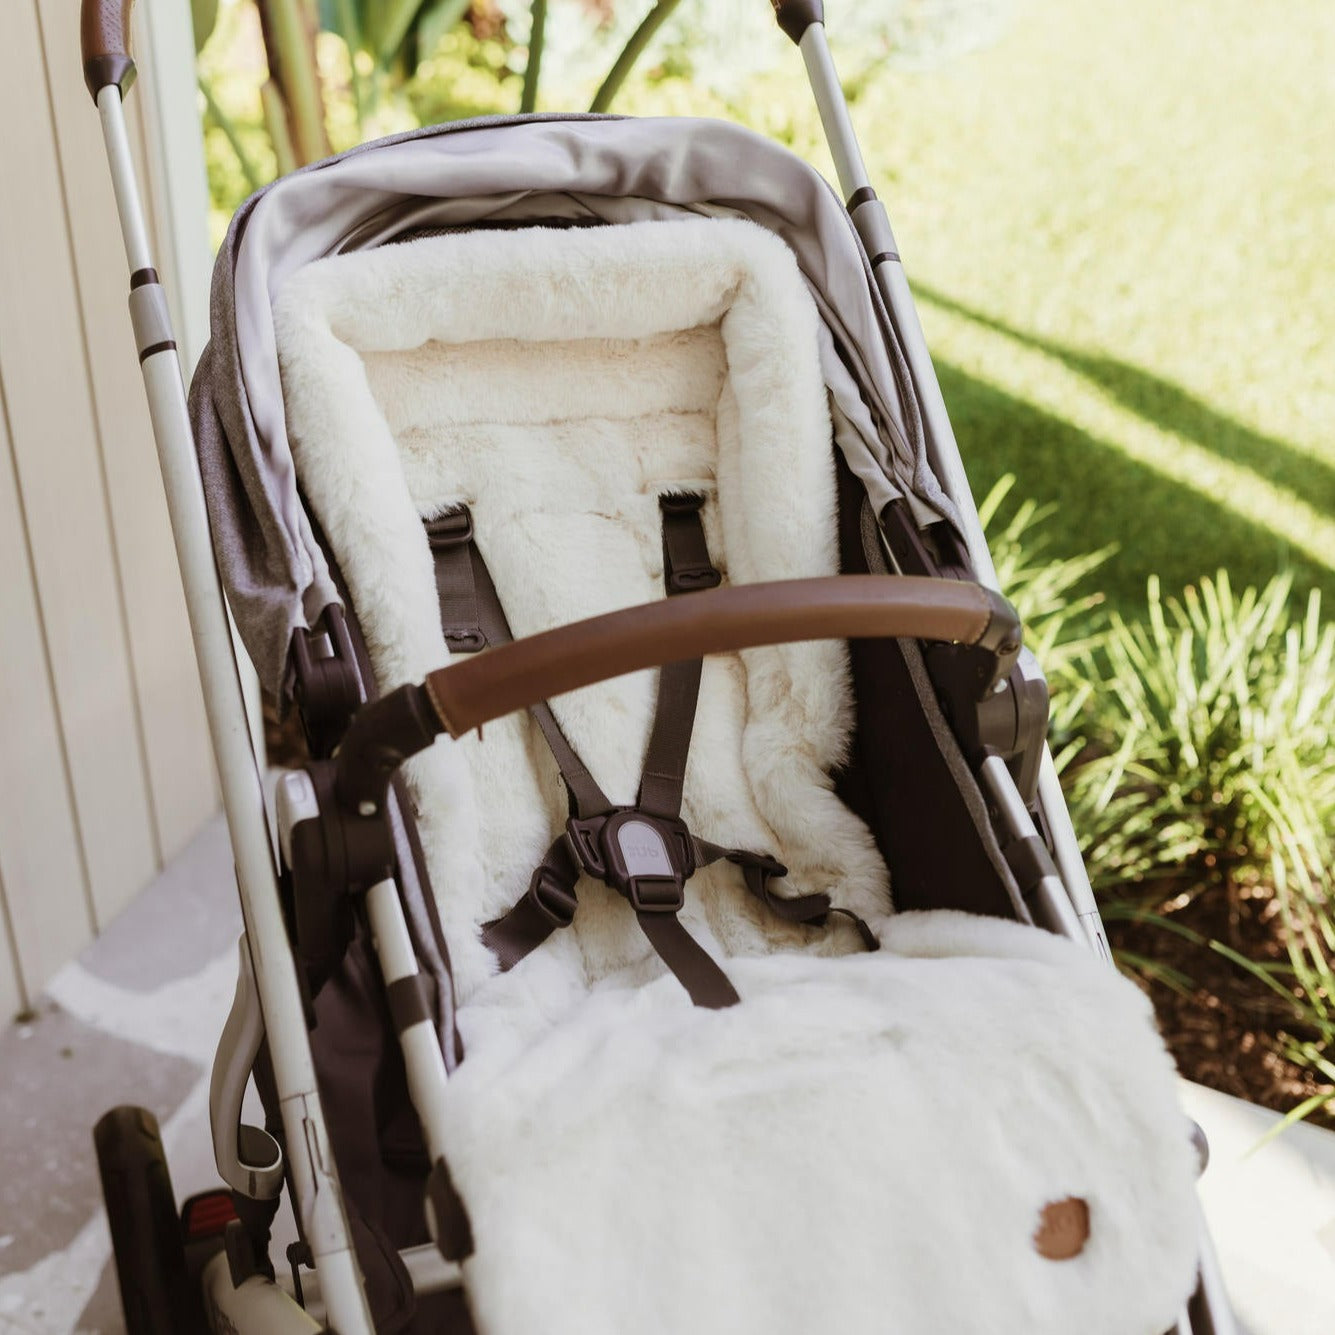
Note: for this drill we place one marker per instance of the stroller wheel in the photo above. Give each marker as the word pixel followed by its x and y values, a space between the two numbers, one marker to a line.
pixel 155 1286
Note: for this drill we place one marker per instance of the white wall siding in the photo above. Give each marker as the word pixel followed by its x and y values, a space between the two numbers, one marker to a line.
pixel 105 769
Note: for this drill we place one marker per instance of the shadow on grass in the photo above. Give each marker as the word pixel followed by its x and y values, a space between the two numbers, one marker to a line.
pixel 1174 409
pixel 1161 527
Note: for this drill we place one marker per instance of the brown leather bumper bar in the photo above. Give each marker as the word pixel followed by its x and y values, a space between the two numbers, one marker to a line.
pixel 104 35
pixel 466 695
pixel 844 607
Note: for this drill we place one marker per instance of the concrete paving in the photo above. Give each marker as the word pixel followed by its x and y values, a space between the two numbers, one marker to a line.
pixel 136 1018
pixel 1271 1210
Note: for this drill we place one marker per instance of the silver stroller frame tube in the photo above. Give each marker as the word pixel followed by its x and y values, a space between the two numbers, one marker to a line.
pixel 317 1196
pixel 873 224
pixel 804 22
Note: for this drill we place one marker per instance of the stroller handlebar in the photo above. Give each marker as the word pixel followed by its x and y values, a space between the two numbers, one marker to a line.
pixel 465 695
pixel 104 34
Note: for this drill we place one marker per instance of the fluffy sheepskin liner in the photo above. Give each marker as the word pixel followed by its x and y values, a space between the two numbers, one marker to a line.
pixel 865 1143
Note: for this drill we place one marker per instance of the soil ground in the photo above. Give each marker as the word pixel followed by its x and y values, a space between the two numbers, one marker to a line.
pixel 1225 1029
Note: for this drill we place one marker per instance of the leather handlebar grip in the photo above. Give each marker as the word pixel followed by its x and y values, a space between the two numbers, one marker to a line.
pixel 513 676
pixel 104 34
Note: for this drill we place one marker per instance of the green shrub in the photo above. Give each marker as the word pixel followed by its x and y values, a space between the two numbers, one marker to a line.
pixel 1196 753
pixel 1206 770
pixel 1208 760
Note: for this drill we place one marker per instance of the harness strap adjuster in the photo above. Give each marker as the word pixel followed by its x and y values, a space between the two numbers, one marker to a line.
pixel 765 863
pixel 553 895
pixel 681 502
pixel 464 639
pixel 450 535
pixel 451 528
pixel 687 567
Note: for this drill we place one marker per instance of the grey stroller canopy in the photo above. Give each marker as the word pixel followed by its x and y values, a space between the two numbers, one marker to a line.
pixel 513 171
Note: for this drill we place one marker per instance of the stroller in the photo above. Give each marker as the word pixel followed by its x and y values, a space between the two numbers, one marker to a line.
pixel 584 486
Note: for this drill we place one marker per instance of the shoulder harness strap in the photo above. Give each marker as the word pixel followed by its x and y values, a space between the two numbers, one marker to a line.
pixel 472 617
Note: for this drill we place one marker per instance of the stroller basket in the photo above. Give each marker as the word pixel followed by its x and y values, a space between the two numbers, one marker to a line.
pixel 677 924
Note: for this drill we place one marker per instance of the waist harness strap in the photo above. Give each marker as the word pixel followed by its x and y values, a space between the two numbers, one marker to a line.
pixel 645 852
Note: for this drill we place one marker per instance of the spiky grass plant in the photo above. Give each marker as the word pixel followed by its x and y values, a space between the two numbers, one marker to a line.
pixel 1046 590
pixel 1212 733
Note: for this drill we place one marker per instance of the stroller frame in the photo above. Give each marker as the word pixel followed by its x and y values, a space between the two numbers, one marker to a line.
pixel 270 1005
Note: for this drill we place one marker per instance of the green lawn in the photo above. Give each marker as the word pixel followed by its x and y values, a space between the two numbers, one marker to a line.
pixel 1120 223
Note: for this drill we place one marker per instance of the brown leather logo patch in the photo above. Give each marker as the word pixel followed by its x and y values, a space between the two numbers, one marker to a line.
pixel 1063 1229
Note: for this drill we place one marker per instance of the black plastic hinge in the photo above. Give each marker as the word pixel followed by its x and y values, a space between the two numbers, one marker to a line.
pixel 327 686
pixel 241 1262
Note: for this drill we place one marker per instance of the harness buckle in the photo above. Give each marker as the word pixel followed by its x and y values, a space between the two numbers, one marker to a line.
pixel 645 858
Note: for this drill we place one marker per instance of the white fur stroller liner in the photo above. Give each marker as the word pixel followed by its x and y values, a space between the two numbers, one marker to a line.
pixel 646 1166
pixel 559 381
pixel 861 1146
